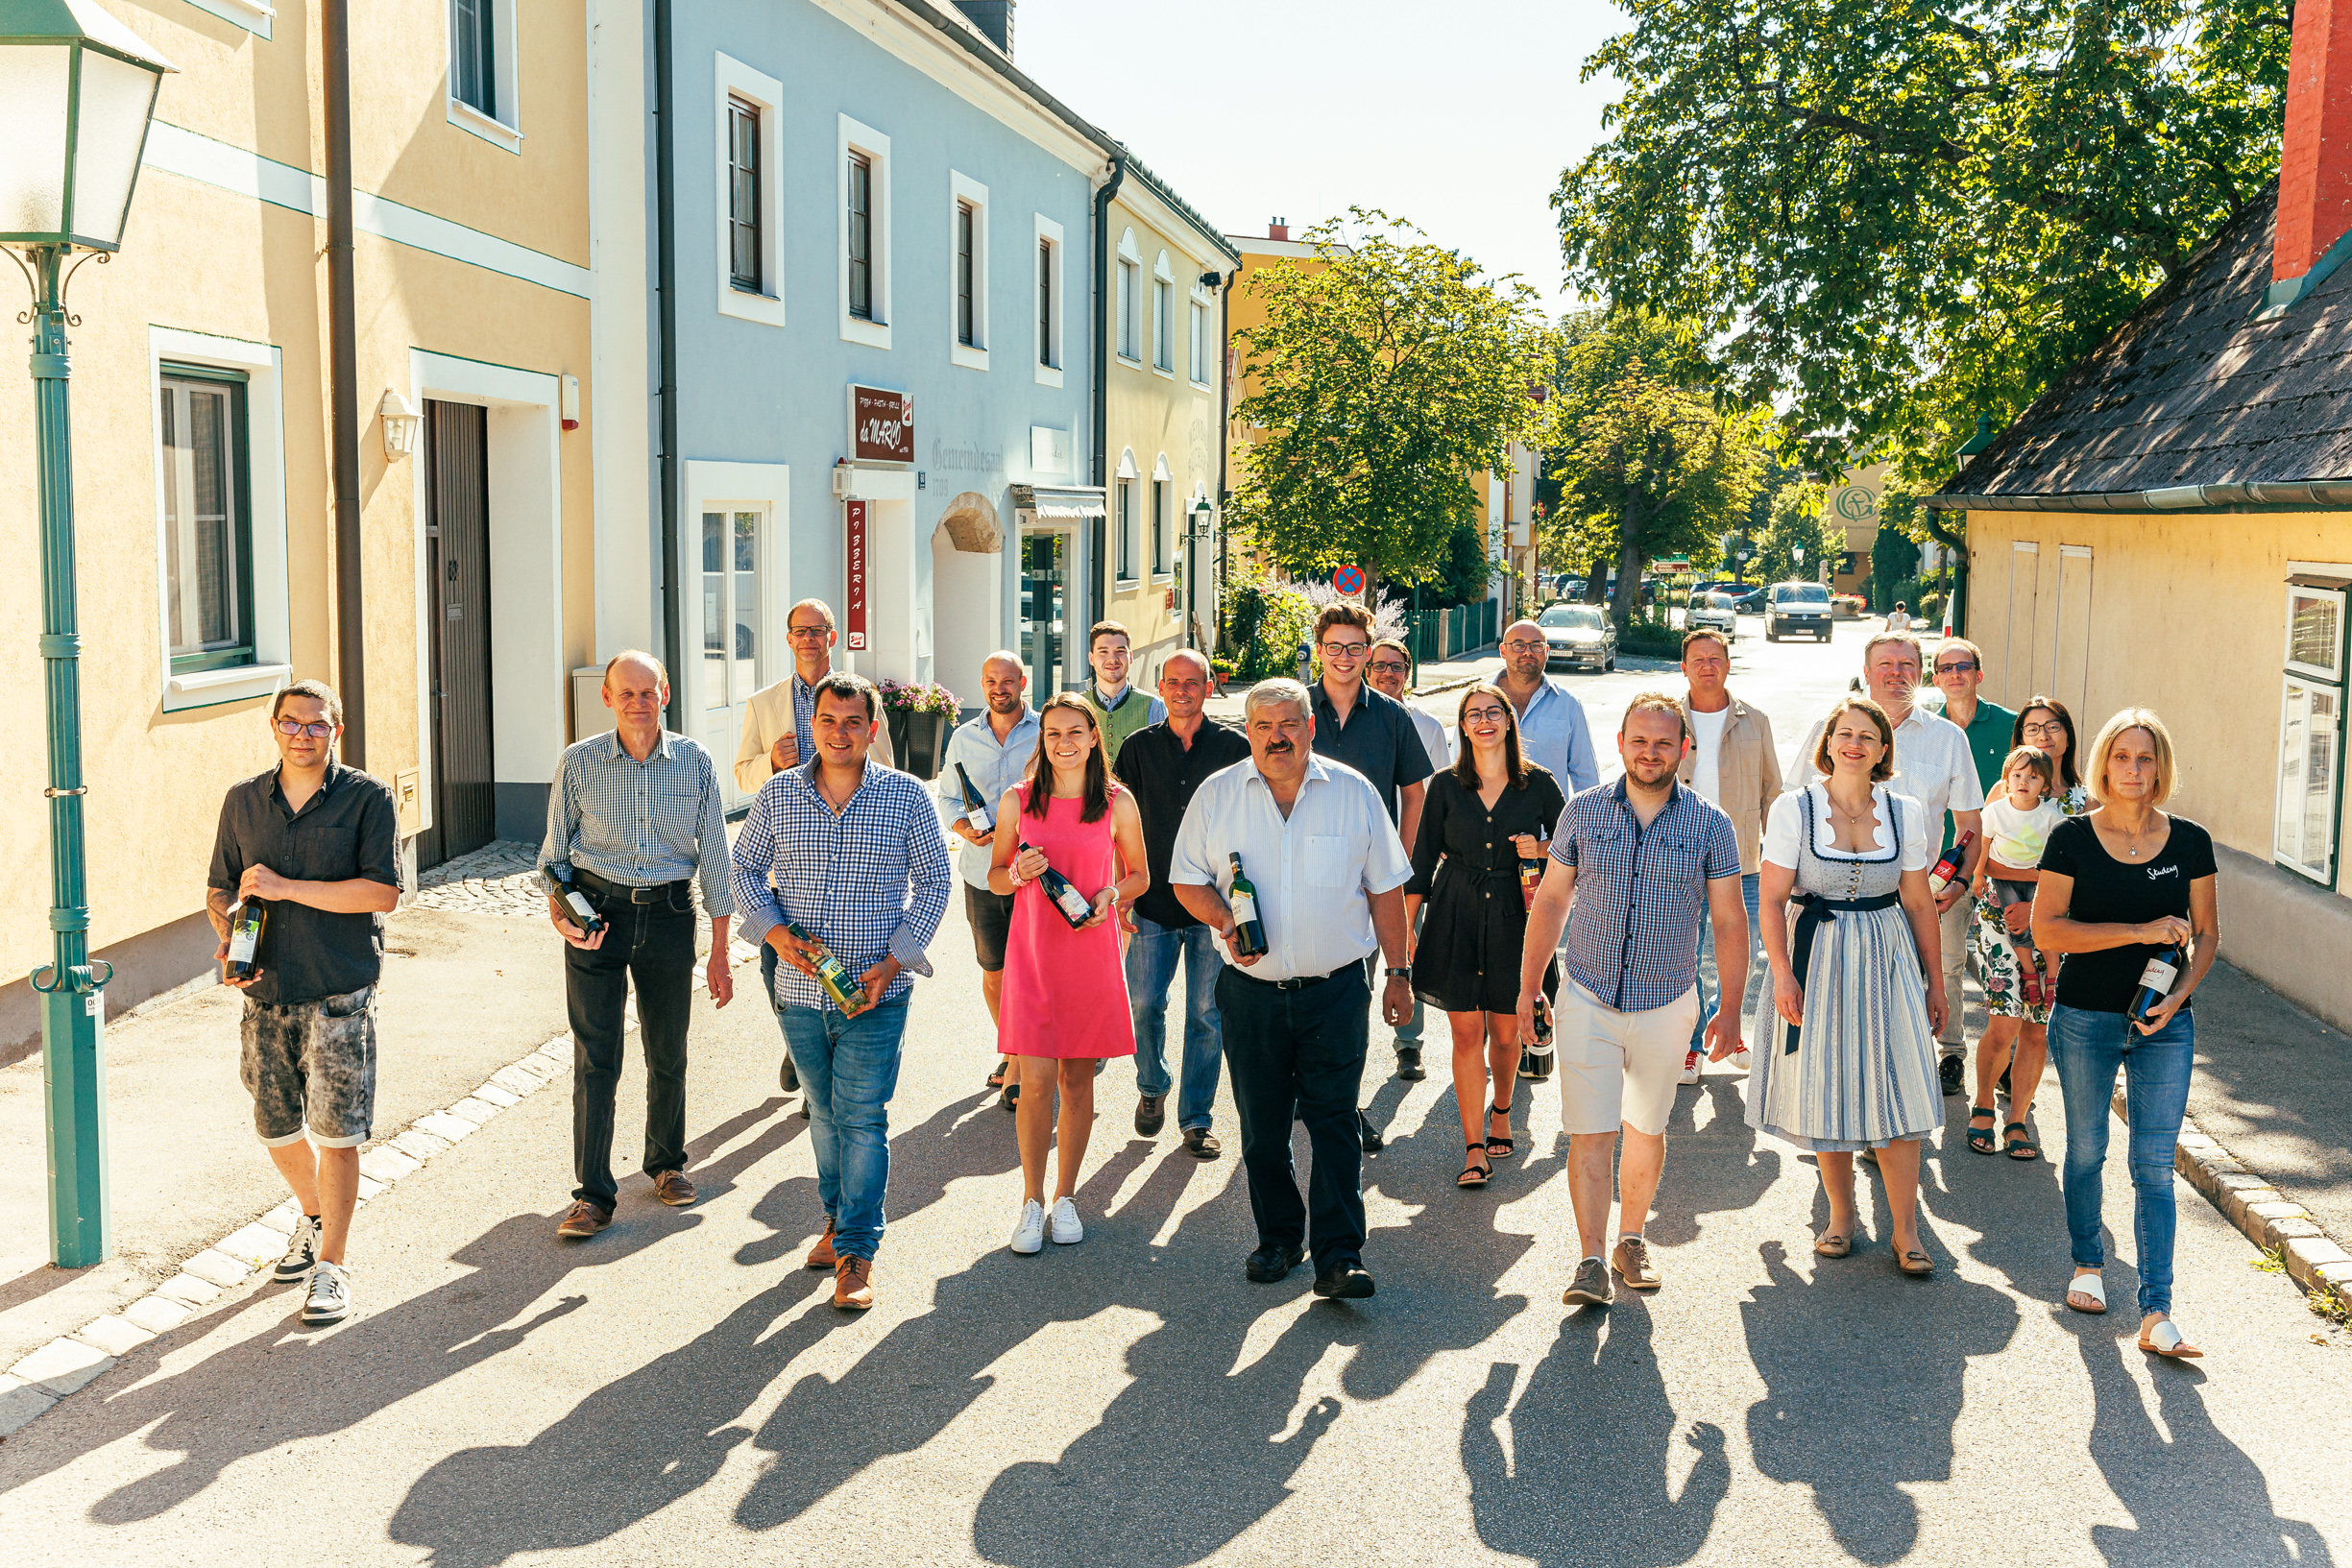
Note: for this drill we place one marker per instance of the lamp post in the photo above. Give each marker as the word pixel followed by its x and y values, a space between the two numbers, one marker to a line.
pixel 81 89
pixel 1198 530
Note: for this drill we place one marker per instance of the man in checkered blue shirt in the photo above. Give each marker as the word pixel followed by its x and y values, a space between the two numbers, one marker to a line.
pixel 850 852
pixel 1644 860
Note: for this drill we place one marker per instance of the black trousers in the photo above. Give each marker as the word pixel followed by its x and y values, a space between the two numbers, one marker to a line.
pixel 1300 1053
pixel 653 945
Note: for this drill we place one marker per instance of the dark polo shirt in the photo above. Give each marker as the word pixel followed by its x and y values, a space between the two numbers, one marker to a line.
pixel 349 830
pixel 1163 772
pixel 1378 741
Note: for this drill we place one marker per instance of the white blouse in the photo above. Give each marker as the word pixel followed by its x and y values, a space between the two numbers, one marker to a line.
pixel 1786 823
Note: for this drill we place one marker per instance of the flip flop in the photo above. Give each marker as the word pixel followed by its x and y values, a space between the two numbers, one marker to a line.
pixel 2164 1339
pixel 1981 1142
pixel 1831 1245
pixel 2020 1147
pixel 2090 1286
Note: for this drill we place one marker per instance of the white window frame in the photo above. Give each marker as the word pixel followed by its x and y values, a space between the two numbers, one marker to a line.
pixel 763 92
pixel 1126 543
pixel 265 490
pixel 2313 680
pixel 963 190
pixel 764 488
pixel 855 137
pixel 1163 515
pixel 1128 329
pixel 503 128
pixel 1197 348
pixel 1046 266
pixel 1163 317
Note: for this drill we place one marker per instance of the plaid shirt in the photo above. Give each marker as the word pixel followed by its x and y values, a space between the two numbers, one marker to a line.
pixel 1640 892
pixel 641 824
pixel 871 880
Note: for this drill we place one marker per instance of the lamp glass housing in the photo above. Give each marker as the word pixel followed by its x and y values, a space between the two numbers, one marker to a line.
pixel 77 93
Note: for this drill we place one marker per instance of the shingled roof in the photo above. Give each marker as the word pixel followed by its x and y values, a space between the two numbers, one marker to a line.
pixel 2189 393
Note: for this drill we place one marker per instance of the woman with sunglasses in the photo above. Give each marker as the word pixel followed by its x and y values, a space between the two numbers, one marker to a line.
pixel 1484 815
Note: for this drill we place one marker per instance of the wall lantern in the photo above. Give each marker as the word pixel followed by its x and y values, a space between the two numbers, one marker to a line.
pixel 404 426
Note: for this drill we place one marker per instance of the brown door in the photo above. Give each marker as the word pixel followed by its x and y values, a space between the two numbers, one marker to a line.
pixel 457 553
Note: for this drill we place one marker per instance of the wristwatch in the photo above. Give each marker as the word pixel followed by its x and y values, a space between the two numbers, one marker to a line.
pixel 1403 974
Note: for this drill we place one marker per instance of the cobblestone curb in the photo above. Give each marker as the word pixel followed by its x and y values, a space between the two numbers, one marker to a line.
pixel 2268 1218
pixel 245 1256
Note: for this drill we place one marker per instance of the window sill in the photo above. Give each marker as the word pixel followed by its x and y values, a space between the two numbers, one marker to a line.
pixel 742 302
pixel 466 117
pixel 970 358
pixel 873 335
pixel 1199 385
pixel 253 16
pixel 1128 360
pixel 1163 372
pixel 1048 375
pixel 210 687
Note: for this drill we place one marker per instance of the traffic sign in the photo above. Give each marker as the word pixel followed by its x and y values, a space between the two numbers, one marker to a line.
pixel 1348 580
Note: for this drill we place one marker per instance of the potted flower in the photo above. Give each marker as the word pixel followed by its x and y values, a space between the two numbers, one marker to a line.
pixel 919 715
pixel 1222 669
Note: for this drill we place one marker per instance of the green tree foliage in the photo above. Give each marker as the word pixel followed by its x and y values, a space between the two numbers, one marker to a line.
pixel 1463 577
pixel 1890 216
pixel 1386 374
pixel 1894 561
pixel 1265 622
pixel 1796 522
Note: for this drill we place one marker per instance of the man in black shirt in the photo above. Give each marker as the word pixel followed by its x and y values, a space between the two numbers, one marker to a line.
pixel 317 845
pixel 1163 764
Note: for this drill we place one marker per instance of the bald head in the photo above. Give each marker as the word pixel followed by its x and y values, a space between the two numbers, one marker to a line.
pixel 631 663
pixel 1184 681
pixel 1525 654
pixel 1002 683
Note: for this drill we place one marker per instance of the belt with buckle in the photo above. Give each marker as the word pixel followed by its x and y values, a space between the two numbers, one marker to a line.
pixel 622 892
pixel 1300 982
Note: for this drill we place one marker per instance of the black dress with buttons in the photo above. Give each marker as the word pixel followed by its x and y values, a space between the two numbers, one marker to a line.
pixel 1467 868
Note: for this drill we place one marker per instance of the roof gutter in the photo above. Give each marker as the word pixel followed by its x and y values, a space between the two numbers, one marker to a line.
pixel 2328 493
pixel 961 33
pixel 1102 370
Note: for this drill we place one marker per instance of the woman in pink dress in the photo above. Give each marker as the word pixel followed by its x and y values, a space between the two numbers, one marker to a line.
pixel 1064 1005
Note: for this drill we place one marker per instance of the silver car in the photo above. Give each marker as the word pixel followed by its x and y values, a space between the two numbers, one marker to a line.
pixel 1794 609
pixel 1579 636
pixel 1713 613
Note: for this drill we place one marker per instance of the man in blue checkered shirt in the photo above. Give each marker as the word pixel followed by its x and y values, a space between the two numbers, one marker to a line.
pixel 849 851
pixel 1642 860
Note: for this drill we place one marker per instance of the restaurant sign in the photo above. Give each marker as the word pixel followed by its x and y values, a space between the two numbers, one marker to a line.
pixel 880 425
pixel 854 553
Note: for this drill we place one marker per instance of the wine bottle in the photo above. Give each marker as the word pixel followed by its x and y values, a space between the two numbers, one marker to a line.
pixel 830 973
pixel 975 813
pixel 2156 982
pixel 1948 870
pixel 1543 1044
pixel 576 902
pixel 1531 876
pixel 1073 904
pixel 247 920
pixel 1248 930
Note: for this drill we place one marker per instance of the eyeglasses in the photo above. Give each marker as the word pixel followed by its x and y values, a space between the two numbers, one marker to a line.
pixel 2045 731
pixel 1484 715
pixel 1347 650
pixel 806 634
pixel 1524 644
pixel 1958 666
pixel 317 731
pixel 1386 667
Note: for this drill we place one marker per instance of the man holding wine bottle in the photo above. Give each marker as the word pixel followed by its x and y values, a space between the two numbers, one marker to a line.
pixel 304 867
pixel 1305 845
pixel 841 863
pixel 987 755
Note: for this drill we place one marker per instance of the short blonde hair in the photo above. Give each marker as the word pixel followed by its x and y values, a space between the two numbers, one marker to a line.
pixel 1656 701
pixel 2094 776
pixel 635 656
pixel 1884 768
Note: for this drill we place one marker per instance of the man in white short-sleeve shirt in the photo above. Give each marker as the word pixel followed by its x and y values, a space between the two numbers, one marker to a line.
pixel 1328 873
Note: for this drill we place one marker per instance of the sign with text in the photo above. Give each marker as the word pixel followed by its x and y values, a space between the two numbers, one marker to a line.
pixel 854 599
pixel 880 425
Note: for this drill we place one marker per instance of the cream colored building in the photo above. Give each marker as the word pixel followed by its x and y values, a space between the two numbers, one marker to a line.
pixel 202 497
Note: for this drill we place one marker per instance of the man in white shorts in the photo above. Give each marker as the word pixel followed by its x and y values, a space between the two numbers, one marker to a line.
pixel 1634 865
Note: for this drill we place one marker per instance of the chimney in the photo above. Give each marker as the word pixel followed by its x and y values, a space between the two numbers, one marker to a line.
pixel 1280 227
pixel 2315 174
pixel 993 18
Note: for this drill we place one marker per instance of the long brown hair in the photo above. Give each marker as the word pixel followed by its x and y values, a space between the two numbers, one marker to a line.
pixel 1514 765
pixel 2067 770
pixel 1100 785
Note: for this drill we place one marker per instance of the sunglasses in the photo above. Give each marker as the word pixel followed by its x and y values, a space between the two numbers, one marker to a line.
pixel 319 730
pixel 1958 666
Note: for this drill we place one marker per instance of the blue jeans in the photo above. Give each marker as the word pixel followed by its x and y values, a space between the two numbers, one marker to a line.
pixel 1409 1032
pixel 2087 1049
pixel 849 1068
pixel 1151 955
pixel 1710 988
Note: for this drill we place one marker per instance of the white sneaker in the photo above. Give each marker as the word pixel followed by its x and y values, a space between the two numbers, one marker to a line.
pixel 1690 1068
pixel 1029 1236
pixel 1067 1231
pixel 301 1252
pixel 1741 1061
pixel 330 1296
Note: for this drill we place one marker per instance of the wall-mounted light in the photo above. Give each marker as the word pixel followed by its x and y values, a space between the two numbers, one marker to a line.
pixel 404 426
pixel 571 402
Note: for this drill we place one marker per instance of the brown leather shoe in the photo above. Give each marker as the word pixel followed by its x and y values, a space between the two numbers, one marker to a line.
pixel 1631 1260
pixel 583 1218
pixel 673 1189
pixel 853 1284
pixel 822 1255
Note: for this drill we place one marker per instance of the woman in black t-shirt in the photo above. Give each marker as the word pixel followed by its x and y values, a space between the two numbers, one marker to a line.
pixel 2127 894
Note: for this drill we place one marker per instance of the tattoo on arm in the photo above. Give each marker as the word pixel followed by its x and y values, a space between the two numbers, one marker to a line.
pixel 216 909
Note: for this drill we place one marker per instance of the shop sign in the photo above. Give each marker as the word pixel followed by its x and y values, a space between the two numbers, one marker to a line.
pixel 880 425
pixel 854 552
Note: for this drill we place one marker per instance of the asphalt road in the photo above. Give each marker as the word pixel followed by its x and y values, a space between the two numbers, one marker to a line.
pixel 677 1391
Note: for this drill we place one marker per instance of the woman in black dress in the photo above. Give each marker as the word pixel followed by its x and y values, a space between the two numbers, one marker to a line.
pixel 1480 818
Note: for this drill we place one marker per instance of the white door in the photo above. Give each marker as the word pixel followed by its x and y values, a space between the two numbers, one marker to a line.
pixel 732 654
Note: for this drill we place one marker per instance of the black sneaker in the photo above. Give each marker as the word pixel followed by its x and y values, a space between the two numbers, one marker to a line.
pixel 788 1076
pixel 1271 1263
pixel 1151 1114
pixel 301 1252
pixel 1344 1281
pixel 1369 1133
pixel 1951 1070
pixel 1409 1063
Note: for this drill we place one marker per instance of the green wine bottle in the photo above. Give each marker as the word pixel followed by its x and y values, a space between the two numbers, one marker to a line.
pixel 247 922
pixel 1248 930
pixel 831 974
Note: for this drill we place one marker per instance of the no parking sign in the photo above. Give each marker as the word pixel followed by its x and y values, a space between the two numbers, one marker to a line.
pixel 1348 580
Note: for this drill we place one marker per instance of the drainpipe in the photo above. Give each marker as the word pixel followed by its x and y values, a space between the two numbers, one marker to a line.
pixel 1224 433
pixel 1101 373
pixel 343 378
pixel 665 269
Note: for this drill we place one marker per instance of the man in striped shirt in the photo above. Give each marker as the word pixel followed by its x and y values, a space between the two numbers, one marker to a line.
pixel 850 853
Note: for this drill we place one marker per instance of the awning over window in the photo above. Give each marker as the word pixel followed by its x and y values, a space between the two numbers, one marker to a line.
pixel 1060 503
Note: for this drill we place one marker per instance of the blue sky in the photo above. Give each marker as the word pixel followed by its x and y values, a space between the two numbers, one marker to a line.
pixel 1457 116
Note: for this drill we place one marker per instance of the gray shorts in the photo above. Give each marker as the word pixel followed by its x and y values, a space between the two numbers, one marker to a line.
pixel 311 1065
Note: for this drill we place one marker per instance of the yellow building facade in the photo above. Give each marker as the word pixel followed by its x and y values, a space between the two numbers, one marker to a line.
pixel 202 452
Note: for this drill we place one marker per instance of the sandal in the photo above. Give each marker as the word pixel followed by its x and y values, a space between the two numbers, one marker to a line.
pixel 2019 1147
pixel 1831 1245
pixel 1475 1175
pixel 2090 1287
pixel 996 1080
pixel 2165 1339
pixel 1010 1098
pixel 1981 1142
pixel 1921 1270
pixel 1499 1149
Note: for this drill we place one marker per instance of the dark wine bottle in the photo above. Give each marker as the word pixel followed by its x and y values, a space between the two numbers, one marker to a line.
pixel 1948 870
pixel 2156 982
pixel 975 813
pixel 1249 929
pixel 247 922
pixel 1542 1045
pixel 830 973
pixel 1531 877
pixel 1073 904
pixel 576 902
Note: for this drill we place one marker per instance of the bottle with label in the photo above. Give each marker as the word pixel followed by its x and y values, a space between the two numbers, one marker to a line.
pixel 1531 874
pixel 832 974
pixel 1073 904
pixel 1248 930
pixel 975 813
pixel 2156 982
pixel 576 902
pixel 247 922
pixel 1541 1045
pixel 1948 870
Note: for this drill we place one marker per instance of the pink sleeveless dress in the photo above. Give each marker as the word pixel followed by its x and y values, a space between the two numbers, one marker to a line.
pixel 1065 991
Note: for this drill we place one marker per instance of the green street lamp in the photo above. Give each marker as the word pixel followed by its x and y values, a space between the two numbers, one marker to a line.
pixel 77 90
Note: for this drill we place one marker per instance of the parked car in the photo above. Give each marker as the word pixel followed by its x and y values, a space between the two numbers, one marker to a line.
pixel 1749 601
pixel 1579 636
pixel 1797 608
pixel 1567 586
pixel 1712 612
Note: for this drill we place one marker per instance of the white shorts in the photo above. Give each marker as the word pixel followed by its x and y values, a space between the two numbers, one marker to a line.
pixel 1618 1067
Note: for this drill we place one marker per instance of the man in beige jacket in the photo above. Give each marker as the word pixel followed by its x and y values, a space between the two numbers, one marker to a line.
pixel 1732 763
pixel 776 719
